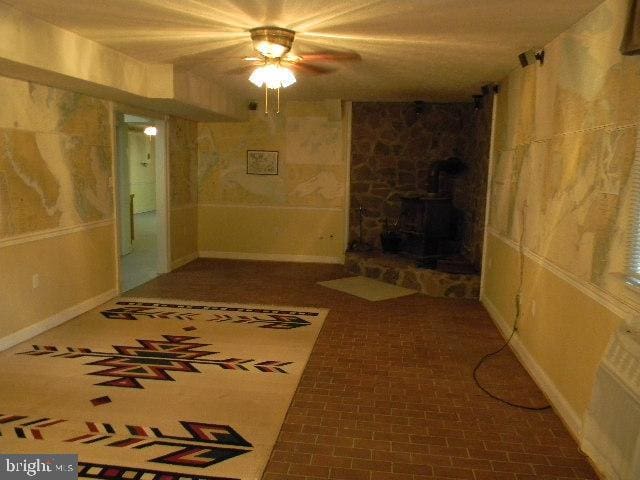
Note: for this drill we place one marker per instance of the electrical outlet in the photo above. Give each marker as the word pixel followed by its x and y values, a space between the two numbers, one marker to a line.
pixel 35 280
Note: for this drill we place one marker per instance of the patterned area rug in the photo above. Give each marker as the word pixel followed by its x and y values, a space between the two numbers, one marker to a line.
pixel 158 389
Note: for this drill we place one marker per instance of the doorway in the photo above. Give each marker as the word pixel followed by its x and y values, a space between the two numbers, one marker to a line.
pixel 142 213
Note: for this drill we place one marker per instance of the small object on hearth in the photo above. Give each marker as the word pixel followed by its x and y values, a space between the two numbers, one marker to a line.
pixel 359 245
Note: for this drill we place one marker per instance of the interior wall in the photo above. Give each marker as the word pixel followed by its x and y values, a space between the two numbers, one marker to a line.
pixel 393 146
pixel 183 189
pixel 56 209
pixel 298 214
pixel 142 171
pixel 564 146
pixel 57 228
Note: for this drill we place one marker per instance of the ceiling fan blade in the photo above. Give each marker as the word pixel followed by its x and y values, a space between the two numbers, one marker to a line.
pixel 253 59
pixel 312 69
pixel 291 58
pixel 330 56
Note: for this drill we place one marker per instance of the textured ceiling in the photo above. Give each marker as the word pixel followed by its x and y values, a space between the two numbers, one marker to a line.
pixel 438 50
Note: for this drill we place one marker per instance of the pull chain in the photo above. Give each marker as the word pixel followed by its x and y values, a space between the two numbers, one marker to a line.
pixel 266 99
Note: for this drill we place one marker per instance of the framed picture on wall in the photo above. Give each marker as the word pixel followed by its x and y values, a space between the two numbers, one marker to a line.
pixel 262 162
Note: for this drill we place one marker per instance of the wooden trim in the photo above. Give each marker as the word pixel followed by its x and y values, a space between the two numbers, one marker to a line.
pixel 611 303
pixel 276 207
pixel 54 232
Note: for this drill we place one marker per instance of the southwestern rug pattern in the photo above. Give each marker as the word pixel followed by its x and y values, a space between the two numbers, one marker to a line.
pixel 173 406
pixel 152 359
pixel 261 317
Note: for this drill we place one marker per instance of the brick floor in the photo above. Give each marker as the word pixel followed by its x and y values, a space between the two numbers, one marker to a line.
pixel 387 393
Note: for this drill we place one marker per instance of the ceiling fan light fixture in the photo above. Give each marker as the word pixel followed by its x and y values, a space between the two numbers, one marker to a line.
pixel 273 76
pixel 272 42
pixel 271 50
pixel 287 77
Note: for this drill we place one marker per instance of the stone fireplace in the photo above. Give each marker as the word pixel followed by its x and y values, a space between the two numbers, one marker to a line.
pixel 396 148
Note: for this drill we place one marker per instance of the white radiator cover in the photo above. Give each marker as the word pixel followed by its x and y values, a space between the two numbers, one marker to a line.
pixel 611 430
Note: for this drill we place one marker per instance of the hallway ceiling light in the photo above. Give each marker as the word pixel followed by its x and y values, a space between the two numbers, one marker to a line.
pixel 151 131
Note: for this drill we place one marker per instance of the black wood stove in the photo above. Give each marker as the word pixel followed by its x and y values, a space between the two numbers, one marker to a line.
pixel 430 225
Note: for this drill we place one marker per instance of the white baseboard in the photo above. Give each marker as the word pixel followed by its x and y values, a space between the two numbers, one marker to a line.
pixel 569 416
pixel 55 320
pixel 600 463
pixel 272 257
pixel 183 260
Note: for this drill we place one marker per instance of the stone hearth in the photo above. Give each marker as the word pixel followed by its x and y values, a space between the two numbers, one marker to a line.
pixel 402 271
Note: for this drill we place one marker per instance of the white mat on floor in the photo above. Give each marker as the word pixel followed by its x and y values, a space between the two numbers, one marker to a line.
pixel 367 288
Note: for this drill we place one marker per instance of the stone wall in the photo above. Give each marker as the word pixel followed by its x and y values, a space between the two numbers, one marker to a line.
pixel 393 146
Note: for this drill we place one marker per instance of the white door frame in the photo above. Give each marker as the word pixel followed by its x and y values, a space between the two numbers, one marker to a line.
pixel 123 230
pixel 162 189
pixel 347 120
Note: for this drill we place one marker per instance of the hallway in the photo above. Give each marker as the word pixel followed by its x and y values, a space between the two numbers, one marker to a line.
pixel 140 265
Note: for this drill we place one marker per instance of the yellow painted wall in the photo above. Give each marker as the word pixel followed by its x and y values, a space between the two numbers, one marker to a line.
pixel 183 189
pixel 56 204
pixel 184 233
pixel 565 330
pixel 272 231
pixel 56 200
pixel 564 146
pixel 300 211
pixel 72 268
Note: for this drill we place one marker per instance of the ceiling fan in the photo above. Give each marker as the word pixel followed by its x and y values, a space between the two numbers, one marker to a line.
pixel 274 64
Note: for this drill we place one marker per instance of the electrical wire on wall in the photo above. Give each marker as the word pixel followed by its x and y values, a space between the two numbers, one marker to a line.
pixel 518 315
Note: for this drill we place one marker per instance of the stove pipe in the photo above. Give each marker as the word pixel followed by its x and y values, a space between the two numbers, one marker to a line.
pixel 452 166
